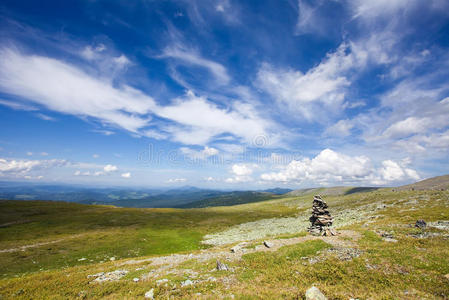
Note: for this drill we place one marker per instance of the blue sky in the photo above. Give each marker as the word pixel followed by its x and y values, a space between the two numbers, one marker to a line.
pixel 224 94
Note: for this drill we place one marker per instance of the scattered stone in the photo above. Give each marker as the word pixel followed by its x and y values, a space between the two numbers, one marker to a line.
pixel 314 294
pixel 268 244
pixel 139 269
pixel 82 294
pixel 135 279
pixel 420 224
pixel 387 237
pixel 443 225
pixel 235 249
pixel 110 276
pixel 390 240
pixel 149 294
pixel 161 281
pixel 425 234
pixel 221 266
pixel 82 259
pixel 321 219
pixel 446 276
pixel 187 283
pixel 112 258
pixel 345 254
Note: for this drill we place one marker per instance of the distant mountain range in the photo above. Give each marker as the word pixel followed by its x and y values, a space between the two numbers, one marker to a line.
pixel 186 196
pixel 182 197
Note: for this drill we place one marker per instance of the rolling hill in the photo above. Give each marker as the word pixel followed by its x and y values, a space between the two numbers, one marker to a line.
pixel 331 191
pixel 434 183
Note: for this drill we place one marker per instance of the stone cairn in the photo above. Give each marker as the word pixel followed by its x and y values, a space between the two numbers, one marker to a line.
pixel 321 219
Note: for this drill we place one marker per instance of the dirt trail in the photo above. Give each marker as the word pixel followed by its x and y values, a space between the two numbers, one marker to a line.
pixel 225 254
pixel 23 248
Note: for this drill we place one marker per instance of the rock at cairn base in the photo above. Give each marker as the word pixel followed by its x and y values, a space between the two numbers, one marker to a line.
pixel 321 219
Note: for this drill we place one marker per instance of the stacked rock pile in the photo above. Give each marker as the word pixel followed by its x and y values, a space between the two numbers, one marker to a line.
pixel 321 219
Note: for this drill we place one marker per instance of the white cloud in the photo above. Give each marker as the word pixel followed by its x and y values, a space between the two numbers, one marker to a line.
pixel 340 129
pixel 176 180
pixel 373 9
pixel 154 134
pixel 392 171
pixel 190 57
pixel 45 117
pixel 199 154
pixel 204 120
pixel 21 168
pixel 241 173
pixel 110 168
pixel 64 88
pixel 17 105
pixel 322 87
pixel 44 153
pixel 29 153
pixel 209 151
pixel 91 53
pixel 210 179
pixel 126 175
pixel 67 89
pixel 122 61
pixel 231 148
pixel 333 167
pixel 242 169
pixel 95 155
pixel 104 132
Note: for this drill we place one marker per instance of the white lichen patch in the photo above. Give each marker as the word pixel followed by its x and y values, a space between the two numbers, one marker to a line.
pixel 276 226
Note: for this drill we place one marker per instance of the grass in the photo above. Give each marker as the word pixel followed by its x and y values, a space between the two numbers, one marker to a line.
pixel 408 269
pixel 100 232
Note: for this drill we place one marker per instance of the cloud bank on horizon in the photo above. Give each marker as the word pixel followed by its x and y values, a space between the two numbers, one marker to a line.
pixel 224 93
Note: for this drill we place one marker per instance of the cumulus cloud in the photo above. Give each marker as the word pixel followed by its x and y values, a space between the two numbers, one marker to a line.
pixel 22 168
pixel 107 169
pixel 110 168
pixel 333 167
pixel 126 175
pixel 241 173
pixel 199 154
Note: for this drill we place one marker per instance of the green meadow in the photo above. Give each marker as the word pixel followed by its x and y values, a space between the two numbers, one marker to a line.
pixel 48 249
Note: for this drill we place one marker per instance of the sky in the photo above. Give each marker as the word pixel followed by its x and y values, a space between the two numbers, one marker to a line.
pixel 224 94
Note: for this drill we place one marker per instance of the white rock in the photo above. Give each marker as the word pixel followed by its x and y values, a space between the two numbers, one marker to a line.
pixel 149 294
pixel 235 249
pixel 112 259
pixel 136 279
pixel 314 294
pixel 268 244
pixel 161 281
pixel 81 259
pixel 187 282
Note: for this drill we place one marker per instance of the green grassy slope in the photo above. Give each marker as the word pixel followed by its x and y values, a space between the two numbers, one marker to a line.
pixel 99 232
pixel 434 183
pixel 411 268
pixel 234 198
